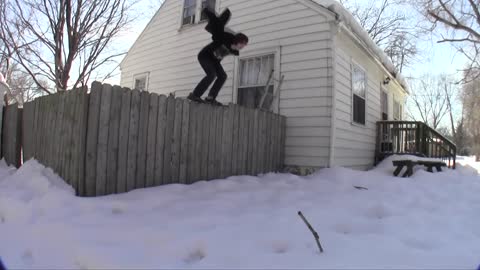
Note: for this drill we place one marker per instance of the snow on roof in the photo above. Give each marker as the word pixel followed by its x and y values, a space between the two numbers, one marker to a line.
pixel 347 18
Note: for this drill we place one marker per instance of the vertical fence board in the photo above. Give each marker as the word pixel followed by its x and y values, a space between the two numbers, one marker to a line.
pixel 133 140
pixel 142 140
pixel 184 151
pixel 102 144
pixel 92 138
pixel 65 139
pixel 83 114
pixel 28 118
pixel 235 141
pixel 47 142
pixel 151 140
pixel 241 147
pixel 192 137
pixel 167 156
pixel 176 140
pixel 197 161
pixel 40 129
pixel 123 141
pixel 277 143
pixel 75 138
pixel 113 139
pixel 205 132
pixel 226 142
pixel 70 140
pixel 218 144
pixel 283 141
pixel 35 128
pixel 54 132
pixel 212 141
pixel 251 139
pixel 58 135
pixel 160 142
pixel 255 143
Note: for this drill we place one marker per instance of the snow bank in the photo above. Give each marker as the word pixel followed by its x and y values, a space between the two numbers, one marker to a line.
pixel 426 221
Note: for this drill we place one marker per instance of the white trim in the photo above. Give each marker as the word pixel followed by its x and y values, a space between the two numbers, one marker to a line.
pixel 145 75
pixel 276 51
pixel 333 124
pixel 356 64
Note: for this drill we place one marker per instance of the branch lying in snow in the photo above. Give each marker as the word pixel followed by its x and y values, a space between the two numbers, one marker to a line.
pixel 315 234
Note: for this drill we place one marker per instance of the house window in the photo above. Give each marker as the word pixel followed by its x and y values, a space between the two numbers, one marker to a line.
pixel 192 9
pixel 397 110
pixel 359 87
pixel 253 78
pixel 384 101
pixel 210 4
pixel 189 10
pixel 140 82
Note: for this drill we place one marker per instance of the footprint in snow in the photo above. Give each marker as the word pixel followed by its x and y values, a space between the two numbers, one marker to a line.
pixel 27 257
pixel 280 246
pixel 195 255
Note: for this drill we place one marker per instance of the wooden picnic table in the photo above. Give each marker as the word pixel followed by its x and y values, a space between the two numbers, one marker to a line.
pixel 399 164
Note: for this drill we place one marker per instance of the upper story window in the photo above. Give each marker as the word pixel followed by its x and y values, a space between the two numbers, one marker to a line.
pixel 384 101
pixel 192 10
pixel 359 88
pixel 140 82
pixel 397 110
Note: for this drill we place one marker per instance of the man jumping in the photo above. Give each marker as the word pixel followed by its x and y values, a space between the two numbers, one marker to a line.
pixel 224 43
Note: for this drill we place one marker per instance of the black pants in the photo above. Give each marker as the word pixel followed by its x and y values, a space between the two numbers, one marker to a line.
pixel 214 71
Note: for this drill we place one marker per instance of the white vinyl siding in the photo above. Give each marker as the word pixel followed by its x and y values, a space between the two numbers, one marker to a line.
pixel 354 143
pixel 302 37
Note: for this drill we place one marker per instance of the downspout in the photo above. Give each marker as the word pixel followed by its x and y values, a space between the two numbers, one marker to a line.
pixel 334 26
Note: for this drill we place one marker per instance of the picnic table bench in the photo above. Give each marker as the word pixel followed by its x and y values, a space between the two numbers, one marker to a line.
pixel 410 164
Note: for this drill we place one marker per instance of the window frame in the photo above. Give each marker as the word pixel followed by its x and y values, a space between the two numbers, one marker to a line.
pixel 138 76
pixel 384 91
pixel 198 14
pixel 361 68
pixel 252 53
pixel 397 103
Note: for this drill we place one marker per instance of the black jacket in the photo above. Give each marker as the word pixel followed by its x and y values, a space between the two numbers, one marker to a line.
pixel 221 39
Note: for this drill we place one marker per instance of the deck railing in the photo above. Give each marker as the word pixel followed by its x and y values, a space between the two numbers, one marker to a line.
pixel 415 138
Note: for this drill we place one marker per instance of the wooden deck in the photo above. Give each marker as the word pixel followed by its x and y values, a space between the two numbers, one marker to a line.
pixel 413 138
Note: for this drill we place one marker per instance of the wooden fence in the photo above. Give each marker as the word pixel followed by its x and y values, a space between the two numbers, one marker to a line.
pixel 114 139
pixel 11 134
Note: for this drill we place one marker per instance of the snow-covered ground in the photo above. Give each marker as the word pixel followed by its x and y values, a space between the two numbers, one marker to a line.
pixel 426 221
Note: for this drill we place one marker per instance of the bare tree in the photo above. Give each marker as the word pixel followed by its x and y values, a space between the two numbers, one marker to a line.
pixel 471 105
pixel 389 26
pixel 62 35
pixel 461 20
pixel 429 99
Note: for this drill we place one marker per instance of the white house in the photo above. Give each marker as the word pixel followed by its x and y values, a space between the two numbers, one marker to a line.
pixel 337 82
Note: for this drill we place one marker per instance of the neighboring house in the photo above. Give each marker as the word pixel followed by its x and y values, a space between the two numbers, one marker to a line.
pixel 337 82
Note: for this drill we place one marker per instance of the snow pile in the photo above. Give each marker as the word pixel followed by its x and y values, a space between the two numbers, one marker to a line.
pixel 347 18
pixel 426 221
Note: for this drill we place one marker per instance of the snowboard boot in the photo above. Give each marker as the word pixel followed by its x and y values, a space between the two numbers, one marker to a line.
pixel 212 101
pixel 194 98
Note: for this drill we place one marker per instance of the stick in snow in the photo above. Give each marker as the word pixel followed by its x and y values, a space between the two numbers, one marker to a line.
pixel 315 234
